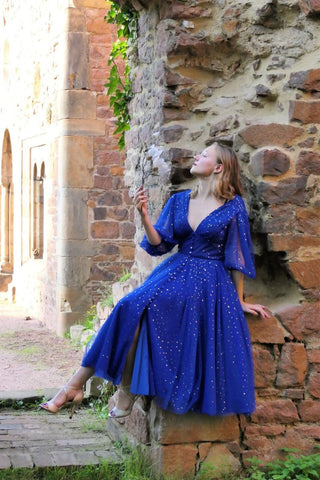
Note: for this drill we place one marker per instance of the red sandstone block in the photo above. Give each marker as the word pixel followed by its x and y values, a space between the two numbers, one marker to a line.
pixel 305 112
pixel 307 221
pixel 96 22
pixel 314 356
pixel 308 163
pixel 179 459
pixel 314 384
pixel 302 320
pixel 309 410
pixel 308 80
pixel 274 411
pixel 223 461
pixel 291 190
pixel 197 428
pixel 105 229
pixel 127 230
pixel 270 134
pixel 264 430
pixel 102 182
pixel 280 218
pixel 266 330
pixel 270 162
pixel 292 366
pixel 264 367
pixel 306 273
pixel 310 7
pixel 285 243
pixel 118 171
pixel 118 213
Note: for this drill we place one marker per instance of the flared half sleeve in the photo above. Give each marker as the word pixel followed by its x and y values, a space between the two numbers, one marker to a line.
pixel 165 228
pixel 239 254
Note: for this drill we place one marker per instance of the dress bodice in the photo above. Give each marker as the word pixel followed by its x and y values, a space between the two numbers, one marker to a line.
pixel 222 235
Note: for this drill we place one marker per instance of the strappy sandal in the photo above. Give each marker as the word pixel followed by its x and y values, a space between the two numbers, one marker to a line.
pixel 74 400
pixel 117 412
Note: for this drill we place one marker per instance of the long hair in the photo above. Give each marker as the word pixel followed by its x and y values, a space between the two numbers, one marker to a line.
pixel 227 184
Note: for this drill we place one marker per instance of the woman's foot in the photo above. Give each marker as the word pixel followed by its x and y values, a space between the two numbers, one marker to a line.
pixel 67 394
pixel 125 402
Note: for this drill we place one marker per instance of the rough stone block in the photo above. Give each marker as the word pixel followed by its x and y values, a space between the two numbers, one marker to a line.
pixel 291 190
pixel 275 411
pixel 308 163
pixel 270 162
pixel 168 428
pixel 76 162
pixel 302 320
pixel 105 229
pixel 178 459
pixel 309 410
pixel 314 384
pixel 306 273
pixel 305 112
pixel 90 3
pixel 307 80
pixel 310 7
pixel 172 133
pixel 264 367
pixel 280 218
pixel 222 461
pixel 292 366
pixel 307 222
pixel 270 134
pixel 287 243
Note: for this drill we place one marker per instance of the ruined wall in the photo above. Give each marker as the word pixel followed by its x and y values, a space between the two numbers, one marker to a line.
pixel 244 73
pixel 67 169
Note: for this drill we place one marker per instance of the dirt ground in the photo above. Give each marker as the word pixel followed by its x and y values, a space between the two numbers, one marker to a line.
pixel 32 357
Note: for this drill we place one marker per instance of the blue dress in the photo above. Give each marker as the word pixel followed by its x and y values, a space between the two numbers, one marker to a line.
pixel 194 350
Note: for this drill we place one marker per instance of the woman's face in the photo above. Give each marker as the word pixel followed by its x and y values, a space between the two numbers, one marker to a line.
pixel 206 163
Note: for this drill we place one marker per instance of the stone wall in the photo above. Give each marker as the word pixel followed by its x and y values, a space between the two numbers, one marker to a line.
pixel 243 73
pixel 55 110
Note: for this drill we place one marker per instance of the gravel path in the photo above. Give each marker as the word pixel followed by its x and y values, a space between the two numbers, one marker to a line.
pixel 32 357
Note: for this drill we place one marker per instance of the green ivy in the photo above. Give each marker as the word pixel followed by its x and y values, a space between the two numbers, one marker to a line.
pixel 119 86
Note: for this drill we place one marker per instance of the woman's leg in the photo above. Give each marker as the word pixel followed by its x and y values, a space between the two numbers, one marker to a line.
pixel 124 401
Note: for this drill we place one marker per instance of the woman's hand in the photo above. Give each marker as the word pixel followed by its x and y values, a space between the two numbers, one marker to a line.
pixel 256 309
pixel 140 201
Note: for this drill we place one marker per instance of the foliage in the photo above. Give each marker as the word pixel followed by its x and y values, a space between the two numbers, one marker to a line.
pixel 110 471
pixel 125 276
pixel 99 406
pixel 90 318
pixel 119 85
pixel 294 467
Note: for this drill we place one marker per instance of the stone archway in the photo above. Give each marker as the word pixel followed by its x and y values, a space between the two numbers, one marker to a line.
pixel 6 214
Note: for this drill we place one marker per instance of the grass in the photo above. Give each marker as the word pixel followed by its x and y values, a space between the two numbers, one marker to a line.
pixel 136 466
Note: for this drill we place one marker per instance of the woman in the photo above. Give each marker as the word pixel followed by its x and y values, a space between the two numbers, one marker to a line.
pixel 181 336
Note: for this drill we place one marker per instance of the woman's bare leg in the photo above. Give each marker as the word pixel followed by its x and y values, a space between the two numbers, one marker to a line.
pixel 123 402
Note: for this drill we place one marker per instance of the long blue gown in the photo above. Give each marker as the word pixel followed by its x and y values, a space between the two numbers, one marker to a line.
pixel 194 350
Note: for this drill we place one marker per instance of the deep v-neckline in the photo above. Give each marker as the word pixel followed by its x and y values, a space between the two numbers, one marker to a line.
pixel 205 218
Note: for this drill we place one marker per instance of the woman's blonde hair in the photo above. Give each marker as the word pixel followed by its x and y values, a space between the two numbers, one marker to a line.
pixel 227 184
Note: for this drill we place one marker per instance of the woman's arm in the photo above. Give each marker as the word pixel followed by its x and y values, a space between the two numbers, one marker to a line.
pixel 254 309
pixel 140 202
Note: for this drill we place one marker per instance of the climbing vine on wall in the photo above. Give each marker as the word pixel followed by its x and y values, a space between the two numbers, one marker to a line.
pixel 119 85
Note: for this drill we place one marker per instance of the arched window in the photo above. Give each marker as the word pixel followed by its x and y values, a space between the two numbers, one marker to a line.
pixel 6 210
pixel 38 217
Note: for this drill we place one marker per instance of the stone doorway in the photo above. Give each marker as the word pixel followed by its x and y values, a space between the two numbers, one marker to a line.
pixel 6 215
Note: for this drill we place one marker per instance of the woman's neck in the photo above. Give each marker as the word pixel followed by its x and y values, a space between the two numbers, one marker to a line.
pixel 205 189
